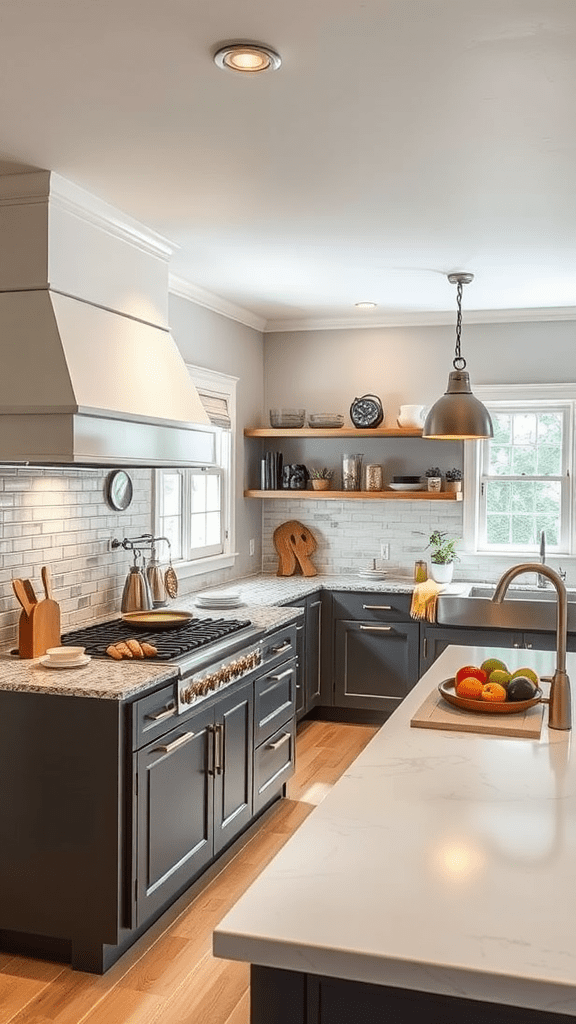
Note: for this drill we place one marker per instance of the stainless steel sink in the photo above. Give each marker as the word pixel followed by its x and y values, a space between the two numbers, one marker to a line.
pixel 520 609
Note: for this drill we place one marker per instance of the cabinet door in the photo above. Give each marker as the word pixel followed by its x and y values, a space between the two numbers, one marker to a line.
pixel 313 647
pixel 174 812
pixel 376 664
pixel 436 639
pixel 301 666
pixel 233 760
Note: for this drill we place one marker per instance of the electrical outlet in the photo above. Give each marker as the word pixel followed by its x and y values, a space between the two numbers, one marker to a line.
pixel 252 546
pixel 384 551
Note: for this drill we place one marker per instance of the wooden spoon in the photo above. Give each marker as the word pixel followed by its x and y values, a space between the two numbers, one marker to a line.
pixel 23 595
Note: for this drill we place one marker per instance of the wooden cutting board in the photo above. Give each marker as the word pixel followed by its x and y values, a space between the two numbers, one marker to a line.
pixel 436 713
pixel 294 544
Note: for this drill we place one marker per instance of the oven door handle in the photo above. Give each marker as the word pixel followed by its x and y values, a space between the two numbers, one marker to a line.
pixel 167 748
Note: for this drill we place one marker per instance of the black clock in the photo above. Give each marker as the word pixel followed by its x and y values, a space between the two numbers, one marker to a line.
pixel 367 411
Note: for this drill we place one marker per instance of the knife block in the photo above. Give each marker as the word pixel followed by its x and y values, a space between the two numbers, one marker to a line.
pixel 39 630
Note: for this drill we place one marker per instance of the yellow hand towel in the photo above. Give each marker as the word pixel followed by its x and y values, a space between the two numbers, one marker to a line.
pixel 424 600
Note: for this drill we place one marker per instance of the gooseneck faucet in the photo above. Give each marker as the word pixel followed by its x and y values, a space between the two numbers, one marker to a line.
pixel 560 703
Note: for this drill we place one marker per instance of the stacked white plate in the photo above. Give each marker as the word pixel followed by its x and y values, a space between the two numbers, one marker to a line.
pixel 219 599
pixel 65 657
pixel 372 574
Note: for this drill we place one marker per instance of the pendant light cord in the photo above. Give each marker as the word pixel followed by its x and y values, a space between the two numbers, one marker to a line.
pixel 458 362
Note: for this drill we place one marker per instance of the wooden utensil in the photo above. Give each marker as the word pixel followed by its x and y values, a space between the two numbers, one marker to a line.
pixel 39 628
pixel 23 596
pixel 294 543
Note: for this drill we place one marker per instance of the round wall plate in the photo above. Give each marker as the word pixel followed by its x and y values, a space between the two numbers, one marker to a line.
pixel 118 490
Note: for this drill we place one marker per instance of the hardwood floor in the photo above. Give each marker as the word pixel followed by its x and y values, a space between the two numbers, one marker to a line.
pixel 170 975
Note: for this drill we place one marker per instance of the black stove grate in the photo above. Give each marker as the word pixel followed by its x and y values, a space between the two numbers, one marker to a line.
pixel 171 644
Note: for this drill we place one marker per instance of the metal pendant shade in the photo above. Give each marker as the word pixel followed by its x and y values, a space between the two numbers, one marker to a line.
pixel 458 415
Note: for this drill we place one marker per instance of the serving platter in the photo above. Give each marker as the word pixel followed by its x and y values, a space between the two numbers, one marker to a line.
pixel 160 619
pixel 482 707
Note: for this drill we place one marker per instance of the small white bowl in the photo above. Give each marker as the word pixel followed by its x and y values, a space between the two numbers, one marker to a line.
pixel 65 653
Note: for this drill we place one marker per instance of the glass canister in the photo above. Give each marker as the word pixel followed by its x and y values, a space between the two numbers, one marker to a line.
pixel 351 472
pixel 420 571
pixel 374 478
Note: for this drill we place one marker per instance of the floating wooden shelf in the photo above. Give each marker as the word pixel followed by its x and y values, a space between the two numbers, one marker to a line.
pixel 360 495
pixel 304 432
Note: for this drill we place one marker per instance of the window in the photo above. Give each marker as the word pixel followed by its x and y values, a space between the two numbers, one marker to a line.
pixel 194 507
pixel 520 480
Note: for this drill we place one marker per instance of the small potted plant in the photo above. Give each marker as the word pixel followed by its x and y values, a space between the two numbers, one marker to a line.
pixel 434 479
pixel 442 556
pixel 320 479
pixel 454 479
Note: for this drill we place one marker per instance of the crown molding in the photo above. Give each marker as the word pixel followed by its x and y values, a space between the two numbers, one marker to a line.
pixel 51 189
pixel 430 319
pixel 200 297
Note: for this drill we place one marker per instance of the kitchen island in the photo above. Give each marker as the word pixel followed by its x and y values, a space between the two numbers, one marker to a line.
pixel 437 878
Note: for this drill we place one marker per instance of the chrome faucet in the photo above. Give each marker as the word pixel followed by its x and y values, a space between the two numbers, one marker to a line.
pixel 559 704
pixel 542 582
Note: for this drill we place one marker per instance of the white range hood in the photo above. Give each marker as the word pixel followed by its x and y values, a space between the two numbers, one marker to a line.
pixel 90 373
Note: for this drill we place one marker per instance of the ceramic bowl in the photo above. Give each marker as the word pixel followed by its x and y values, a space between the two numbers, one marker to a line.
pixel 65 653
pixel 287 417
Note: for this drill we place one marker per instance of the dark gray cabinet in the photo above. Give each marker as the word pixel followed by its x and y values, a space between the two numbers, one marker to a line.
pixel 309 641
pixel 435 639
pixel 375 650
pixel 194 796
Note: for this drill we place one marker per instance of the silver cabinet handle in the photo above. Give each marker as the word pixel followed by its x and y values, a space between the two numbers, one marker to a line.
pixel 377 607
pixel 377 629
pixel 167 712
pixel 279 742
pixel 283 647
pixel 282 675
pixel 218 749
pixel 167 748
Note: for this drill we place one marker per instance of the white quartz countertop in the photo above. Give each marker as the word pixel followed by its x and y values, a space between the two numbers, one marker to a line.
pixel 441 861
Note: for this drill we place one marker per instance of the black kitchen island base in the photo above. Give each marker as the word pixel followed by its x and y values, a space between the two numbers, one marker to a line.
pixel 290 997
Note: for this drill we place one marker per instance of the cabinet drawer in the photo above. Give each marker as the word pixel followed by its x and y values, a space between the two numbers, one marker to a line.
pixel 378 606
pixel 152 715
pixel 274 762
pixel 274 699
pixel 280 646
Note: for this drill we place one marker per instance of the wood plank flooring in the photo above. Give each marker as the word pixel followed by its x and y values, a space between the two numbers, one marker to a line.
pixel 170 975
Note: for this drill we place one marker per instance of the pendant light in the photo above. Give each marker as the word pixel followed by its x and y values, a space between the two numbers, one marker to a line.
pixel 458 416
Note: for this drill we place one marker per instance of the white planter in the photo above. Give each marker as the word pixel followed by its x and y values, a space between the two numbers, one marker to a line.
pixel 442 573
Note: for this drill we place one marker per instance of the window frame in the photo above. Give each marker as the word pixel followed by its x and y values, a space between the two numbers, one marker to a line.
pixel 219 385
pixel 519 397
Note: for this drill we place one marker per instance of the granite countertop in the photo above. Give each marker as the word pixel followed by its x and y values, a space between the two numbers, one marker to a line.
pixel 441 862
pixel 117 680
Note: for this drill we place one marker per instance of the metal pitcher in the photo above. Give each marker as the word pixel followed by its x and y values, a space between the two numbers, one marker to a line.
pixel 155 577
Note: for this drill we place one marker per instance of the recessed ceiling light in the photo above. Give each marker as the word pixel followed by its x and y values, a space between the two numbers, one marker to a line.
pixel 247 58
pixel 365 305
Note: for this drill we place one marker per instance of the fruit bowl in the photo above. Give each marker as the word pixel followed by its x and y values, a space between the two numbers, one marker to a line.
pixel 504 707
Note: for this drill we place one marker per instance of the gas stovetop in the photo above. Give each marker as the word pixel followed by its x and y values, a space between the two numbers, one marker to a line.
pixel 177 645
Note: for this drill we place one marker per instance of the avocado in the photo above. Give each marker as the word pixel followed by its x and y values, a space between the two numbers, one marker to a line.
pixel 520 688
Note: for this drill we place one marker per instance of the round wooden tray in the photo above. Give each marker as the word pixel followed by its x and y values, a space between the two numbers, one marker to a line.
pixel 482 707
pixel 158 619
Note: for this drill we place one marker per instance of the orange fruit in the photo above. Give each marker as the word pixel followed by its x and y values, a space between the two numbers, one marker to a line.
pixel 471 671
pixel 493 691
pixel 470 687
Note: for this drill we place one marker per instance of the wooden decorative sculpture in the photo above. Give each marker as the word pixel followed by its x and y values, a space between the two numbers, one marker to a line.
pixel 294 543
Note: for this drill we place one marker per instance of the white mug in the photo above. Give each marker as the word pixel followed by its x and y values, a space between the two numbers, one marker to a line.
pixel 412 416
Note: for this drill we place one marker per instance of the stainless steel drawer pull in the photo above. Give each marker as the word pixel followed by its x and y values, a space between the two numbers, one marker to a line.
pixel 166 712
pixel 282 675
pixel 283 647
pixel 377 607
pixel 279 742
pixel 377 629
pixel 167 748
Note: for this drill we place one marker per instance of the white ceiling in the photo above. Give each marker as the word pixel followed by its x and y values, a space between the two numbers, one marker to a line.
pixel 400 140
